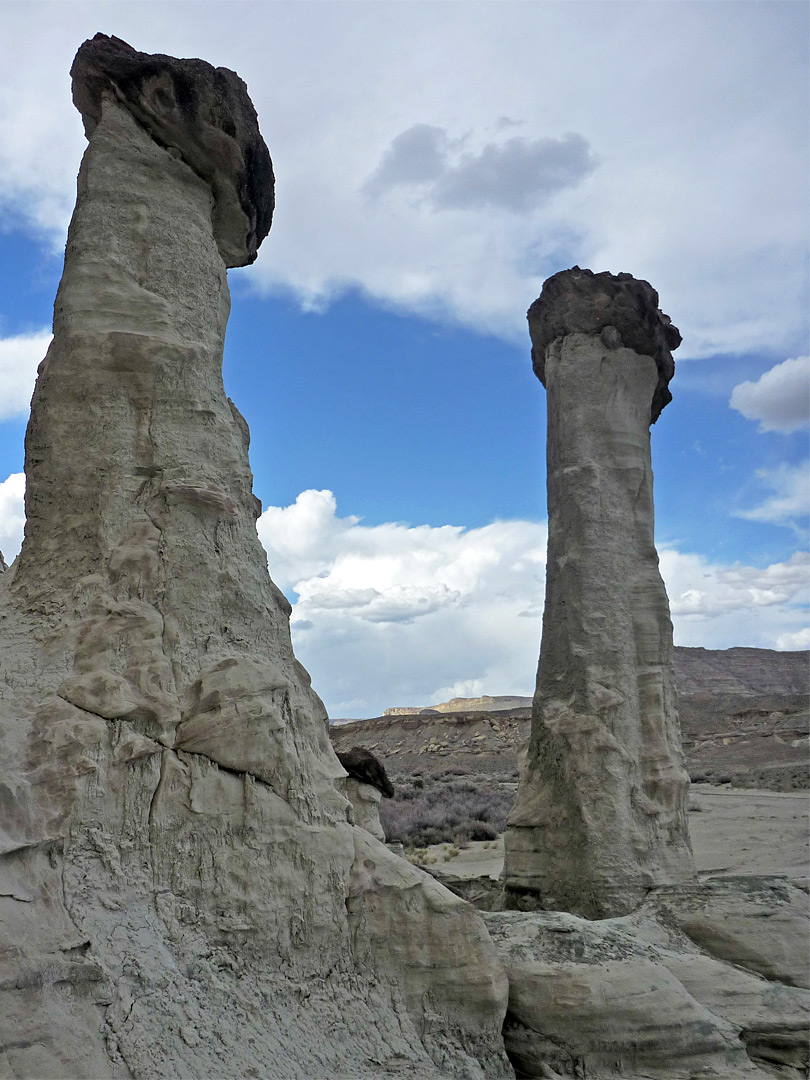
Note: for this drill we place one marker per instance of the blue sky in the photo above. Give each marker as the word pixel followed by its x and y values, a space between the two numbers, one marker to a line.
pixel 435 163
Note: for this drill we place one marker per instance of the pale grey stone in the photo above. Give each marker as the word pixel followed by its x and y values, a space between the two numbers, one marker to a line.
pixel 638 998
pixel 182 891
pixel 600 816
pixel 365 801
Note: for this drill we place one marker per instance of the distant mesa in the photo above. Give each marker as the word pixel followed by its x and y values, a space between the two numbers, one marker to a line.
pixel 464 704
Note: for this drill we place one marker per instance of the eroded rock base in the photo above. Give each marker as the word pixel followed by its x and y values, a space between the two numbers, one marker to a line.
pixel 703 980
pixel 187 923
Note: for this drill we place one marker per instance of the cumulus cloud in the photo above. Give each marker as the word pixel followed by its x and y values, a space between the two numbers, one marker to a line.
pixel 20 357
pixel 699 590
pixel 789 502
pixel 517 175
pixel 12 515
pixel 414 157
pixel 394 614
pixel 797 641
pixel 397 613
pixel 717 606
pixel 779 399
pixel 395 572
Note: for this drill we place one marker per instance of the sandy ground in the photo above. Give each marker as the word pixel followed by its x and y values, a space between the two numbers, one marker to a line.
pixel 734 831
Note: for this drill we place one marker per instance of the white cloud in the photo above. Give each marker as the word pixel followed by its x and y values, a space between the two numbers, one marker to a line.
pixel 718 606
pixel 396 613
pixel 20 357
pixel 699 590
pixel 12 515
pixel 400 615
pixel 696 174
pixel 779 399
pixel 790 501
pixel 797 641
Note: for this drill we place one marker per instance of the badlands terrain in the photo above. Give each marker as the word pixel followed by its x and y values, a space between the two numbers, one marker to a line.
pixel 745 718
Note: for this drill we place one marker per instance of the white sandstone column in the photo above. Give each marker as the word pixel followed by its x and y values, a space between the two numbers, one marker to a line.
pixel 601 810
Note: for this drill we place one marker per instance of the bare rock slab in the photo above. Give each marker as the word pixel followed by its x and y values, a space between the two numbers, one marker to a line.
pixel 640 998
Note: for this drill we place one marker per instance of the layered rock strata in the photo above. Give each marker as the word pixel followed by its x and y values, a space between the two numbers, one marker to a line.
pixel 705 980
pixel 600 817
pixel 182 890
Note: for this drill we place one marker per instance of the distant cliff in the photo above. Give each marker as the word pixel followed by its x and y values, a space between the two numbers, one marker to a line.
pixel 742 671
pixel 699 671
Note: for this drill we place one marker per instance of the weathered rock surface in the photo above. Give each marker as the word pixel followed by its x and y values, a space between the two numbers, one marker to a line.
pixel 600 816
pixel 366 786
pixel 182 893
pixel 675 990
pixel 365 800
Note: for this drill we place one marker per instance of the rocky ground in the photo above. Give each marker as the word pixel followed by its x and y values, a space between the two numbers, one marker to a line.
pixel 707 979
pixel 733 832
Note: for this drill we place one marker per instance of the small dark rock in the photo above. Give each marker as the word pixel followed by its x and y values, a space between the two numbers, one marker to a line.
pixel 364 766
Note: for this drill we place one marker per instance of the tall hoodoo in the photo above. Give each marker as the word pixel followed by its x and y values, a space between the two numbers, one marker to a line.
pixel 183 891
pixel 600 816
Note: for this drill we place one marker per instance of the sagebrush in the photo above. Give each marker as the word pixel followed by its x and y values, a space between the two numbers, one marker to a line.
pixel 433 810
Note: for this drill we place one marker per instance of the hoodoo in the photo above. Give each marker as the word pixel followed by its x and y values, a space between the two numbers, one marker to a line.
pixel 183 890
pixel 621 963
pixel 600 817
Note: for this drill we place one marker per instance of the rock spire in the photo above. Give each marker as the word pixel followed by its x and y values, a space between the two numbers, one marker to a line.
pixel 600 817
pixel 183 889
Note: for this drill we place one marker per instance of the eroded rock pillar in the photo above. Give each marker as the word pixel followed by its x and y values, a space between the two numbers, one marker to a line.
pixel 182 891
pixel 600 816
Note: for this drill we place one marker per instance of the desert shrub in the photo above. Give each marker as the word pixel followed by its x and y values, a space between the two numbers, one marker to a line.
pixel 482 830
pixel 456 811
